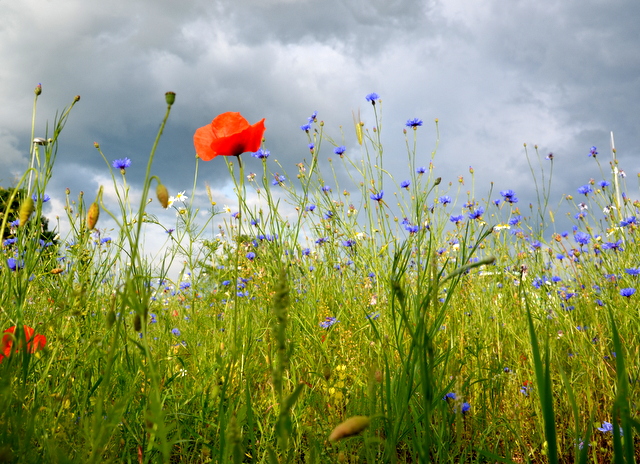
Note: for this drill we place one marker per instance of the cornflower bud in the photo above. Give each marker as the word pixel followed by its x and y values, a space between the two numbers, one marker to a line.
pixel 38 89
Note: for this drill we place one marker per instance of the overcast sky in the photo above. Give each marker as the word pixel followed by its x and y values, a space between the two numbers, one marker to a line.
pixel 496 74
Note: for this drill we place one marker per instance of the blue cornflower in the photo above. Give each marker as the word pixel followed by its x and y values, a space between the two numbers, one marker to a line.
pixel 414 123
pixel 306 127
pixel 306 252
pixel 372 97
pixel 449 396
pixel 340 150
pixel 45 198
pixel 405 184
pixel 310 208
pixel 278 179
pixel 497 201
pixel 444 199
pixel 477 213
pixel 328 322
pixel 627 292
pixel 348 243
pixel 412 229
pixel 328 215
pixel 261 154
pixel 185 285
pixel 536 245
pixel 377 196
pixel 465 407
pixel 607 427
pixel 457 218
pixel 313 117
pixel 421 170
pixel 549 157
pixel 322 240
pixel 604 184
pixel 634 271
pixel 14 264
pixel 515 220
pixel 311 146
pixel 373 316
pixel 593 152
pixel 176 332
pixel 9 241
pixel 628 221
pixel 121 164
pixel 585 189
pixel 251 256
pixel 613 246
pixel 153 318
pixel 326 189
pixel 509 195
pixel 582 238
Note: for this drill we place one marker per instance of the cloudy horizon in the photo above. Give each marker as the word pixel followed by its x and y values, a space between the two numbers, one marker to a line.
pixel 496 75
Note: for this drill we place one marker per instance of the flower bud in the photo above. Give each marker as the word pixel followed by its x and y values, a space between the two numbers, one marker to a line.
pixel 163 195
pixel 26 209
pixel 76 98
pixel 352 426
pixel 38 89
pixel 92 215
pixel 137 323
pixel 170 97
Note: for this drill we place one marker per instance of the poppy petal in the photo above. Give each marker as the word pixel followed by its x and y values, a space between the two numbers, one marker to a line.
pixel 229 134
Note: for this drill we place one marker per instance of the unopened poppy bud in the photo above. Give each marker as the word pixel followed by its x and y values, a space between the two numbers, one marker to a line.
pixel 38 89
pixel 438 180
pixel 137 323
pixel 26 209
pixel 163 195
pixel 111 318
pixel 352 426
pixel 170 97
pixel 92 215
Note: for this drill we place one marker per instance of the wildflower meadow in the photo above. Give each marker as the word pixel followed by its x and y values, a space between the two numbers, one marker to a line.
pixel 370 320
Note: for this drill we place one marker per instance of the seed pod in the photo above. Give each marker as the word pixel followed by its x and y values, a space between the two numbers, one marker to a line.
pixel 170 98
pixel 163 195
pixel 352 426
pixel 92 215
pixel 26 209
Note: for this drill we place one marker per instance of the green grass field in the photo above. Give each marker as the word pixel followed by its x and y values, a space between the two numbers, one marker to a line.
pixel 454 326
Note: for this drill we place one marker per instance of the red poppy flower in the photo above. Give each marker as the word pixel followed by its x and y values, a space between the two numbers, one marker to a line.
pixel 34 343
pixel 229 134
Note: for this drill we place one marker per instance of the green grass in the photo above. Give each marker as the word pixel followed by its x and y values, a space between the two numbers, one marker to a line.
pixel 357 307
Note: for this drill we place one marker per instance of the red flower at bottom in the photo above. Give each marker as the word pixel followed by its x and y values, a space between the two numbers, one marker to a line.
pixel 34 343
pixel 229 134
